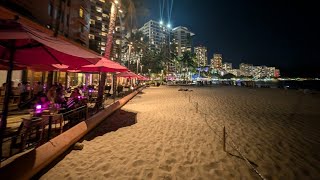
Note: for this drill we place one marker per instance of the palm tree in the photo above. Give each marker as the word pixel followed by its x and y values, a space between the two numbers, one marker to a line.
pixel 129 5
pixel 187 62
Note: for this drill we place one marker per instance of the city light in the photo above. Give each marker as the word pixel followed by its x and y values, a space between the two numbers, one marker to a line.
pixel 116 1
pixel 169 25
pixel 161 22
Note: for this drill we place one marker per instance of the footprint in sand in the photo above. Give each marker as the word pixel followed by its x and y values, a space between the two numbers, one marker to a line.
pixel 165 168
pixel 137 163
pixel 210 166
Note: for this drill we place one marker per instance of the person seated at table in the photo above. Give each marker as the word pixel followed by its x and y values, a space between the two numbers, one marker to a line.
pixel 51 95
pixel 60 96
pixel 75 93
pixel 43 102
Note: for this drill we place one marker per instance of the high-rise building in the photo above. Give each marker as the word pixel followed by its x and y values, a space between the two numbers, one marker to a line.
pixel 246 69
pixel 73 21
pixel 270 72
pixel 99 21
pixel 277 73
pixel 216 61
pixel 235 72
pixel 70 17
pixel 99 25
pixel 201 54
pixel 227 66
pixel 183 39
pixel 159 35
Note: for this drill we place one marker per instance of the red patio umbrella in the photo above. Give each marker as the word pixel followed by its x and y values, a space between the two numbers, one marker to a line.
pixel 33 47
pixel 104 65
pixel 142 78
pixel 127 74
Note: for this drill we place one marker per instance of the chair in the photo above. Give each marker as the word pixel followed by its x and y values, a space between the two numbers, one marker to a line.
pixel 30 132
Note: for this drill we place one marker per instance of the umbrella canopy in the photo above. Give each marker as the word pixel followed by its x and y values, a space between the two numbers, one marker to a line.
pixel 33 47
pixel 142 78
pixel 104 65
pixel 127 74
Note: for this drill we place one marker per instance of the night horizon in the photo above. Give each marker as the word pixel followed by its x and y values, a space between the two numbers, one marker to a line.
pixel 271 33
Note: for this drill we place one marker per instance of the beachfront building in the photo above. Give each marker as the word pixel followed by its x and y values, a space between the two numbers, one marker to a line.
pixel 264 71
pixel 201 54
pixel 277 73
pixel 158 35
pixel 99 21
pixel 227 66
pixel 246 69
pixel 183 39
pixel 216 61
pixel 235 72
pixel 71 21
pixel 270 71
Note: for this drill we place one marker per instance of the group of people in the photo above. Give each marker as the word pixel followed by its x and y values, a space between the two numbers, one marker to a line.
pixel 57 95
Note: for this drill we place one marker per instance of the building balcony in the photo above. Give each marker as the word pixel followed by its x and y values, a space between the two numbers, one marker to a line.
pixel 82 21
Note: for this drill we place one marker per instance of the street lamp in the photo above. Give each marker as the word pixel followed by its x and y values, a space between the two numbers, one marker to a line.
pixel 141 68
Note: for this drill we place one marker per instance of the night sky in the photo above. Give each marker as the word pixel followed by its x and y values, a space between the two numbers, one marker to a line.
pixel 277 33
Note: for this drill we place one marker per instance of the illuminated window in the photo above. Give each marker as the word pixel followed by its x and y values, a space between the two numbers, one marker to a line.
pixel 103 1
pixel 92 21
pixel 99 18
pixel 104 15
pixel 91 36
pixel 99 9
pixel 81 12
pixel 103 34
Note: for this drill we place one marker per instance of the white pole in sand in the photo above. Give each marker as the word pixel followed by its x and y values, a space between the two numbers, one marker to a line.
pixel 197 107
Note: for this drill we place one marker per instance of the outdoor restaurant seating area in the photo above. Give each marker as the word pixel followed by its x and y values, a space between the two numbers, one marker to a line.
pixel 34 112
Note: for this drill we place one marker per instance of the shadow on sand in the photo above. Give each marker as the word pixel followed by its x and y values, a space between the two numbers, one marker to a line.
pixel 119 119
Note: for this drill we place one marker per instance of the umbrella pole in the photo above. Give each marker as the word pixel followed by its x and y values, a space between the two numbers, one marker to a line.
pixel 66 81
pixel 5 109
pixel 102 83
pixel 114 84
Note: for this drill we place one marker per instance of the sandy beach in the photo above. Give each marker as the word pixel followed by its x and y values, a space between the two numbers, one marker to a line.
pixel 160 135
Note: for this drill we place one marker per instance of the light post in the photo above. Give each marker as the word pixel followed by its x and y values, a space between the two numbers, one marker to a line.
pixel 141 68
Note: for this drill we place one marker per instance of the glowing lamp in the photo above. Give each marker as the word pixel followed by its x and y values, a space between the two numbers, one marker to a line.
pixel 161 22
pixel 38 107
